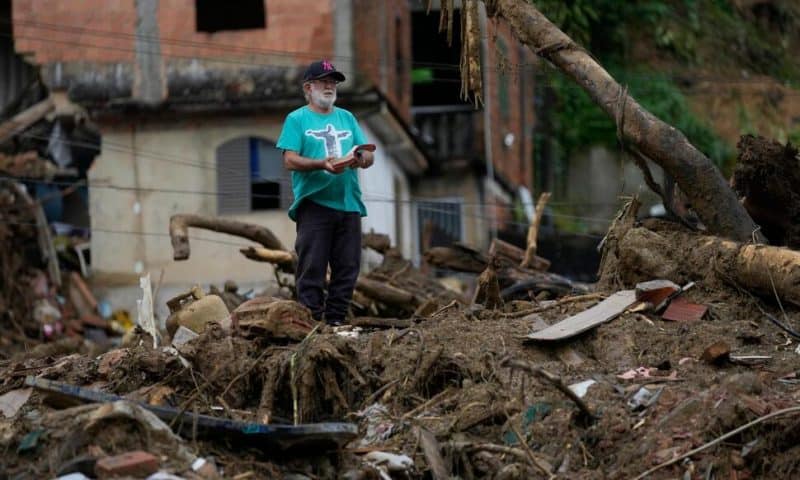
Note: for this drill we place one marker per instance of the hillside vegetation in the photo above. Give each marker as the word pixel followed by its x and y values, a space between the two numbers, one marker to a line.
pixel 715 69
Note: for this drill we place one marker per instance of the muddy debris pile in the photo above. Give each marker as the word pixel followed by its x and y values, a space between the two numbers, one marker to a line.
pixel 767 178
pixel 683 377
pixel 683 361
pixel 43 293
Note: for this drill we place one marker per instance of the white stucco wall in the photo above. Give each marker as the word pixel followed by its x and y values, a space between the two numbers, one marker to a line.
pixel 596 181
pixel 386 194
pixel 466 188
pixel 168 169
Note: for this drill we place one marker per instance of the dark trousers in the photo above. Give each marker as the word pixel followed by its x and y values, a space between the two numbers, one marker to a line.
pixel 327 236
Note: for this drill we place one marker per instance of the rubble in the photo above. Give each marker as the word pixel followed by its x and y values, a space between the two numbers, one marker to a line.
pixel 445 374
pixel 767 179
pixel 425 383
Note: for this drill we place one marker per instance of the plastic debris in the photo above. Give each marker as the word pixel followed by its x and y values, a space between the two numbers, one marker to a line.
pixel 644 398
pixel 389 461
pixel 581 388
pixel 29 441
pixel 182 336
pixel 145 318
pixel 379 426
pixel 12 401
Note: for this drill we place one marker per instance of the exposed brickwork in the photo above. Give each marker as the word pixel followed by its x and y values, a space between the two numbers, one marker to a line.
pixel 102 31
pixel 48 31
pixel 294 33
pixel 52 30
pixel 382 37
pixel 513 72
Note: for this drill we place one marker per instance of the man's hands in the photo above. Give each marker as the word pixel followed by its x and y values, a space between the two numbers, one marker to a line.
pixel 334 165
pixel 330 164
pixel 359 159
pixel 364 159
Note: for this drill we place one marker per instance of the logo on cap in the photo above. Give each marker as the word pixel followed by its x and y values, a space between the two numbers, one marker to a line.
pixel 326 65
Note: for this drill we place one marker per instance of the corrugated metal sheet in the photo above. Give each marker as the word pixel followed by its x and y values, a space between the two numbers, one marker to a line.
pixel 15 74
pixel 233 176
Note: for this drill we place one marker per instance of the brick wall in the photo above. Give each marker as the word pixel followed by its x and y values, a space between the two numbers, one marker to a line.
pixel 382 37
pixel 510 90
pixel 102 31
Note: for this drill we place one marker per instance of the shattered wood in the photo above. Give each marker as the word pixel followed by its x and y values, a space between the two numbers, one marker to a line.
pixel 458 372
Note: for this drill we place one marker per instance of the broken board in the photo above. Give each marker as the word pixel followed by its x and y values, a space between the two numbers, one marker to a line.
pixel 604 311
pixel 309 436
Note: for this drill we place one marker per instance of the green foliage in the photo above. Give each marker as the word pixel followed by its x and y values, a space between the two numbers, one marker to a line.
pixel 693 31
pixel 575 17
pixel 794 136
pixel 716 35
pixel 579 123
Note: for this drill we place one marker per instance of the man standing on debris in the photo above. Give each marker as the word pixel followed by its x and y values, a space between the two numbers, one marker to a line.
pixel 316 141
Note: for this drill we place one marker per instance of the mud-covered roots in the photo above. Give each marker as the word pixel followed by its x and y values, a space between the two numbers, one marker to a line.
pixel 223 367
pixel 324 377
pixel 434 372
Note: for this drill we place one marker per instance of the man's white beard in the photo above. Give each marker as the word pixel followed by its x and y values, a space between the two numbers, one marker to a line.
pixel 319 99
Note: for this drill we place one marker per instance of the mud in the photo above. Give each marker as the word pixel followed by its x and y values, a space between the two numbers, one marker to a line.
pixel 443 375
pixel 446 375
pixel 767 177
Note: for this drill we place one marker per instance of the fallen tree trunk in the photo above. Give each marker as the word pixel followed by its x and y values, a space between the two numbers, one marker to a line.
pixel 709 193
pixel 287 261
pixel 179 232
pixel 635 254
pixel 510 255
pixel 25 119
pixel 380 242
pixel 456 257
pixel 676 256
pixel 383 292
pixel 461 258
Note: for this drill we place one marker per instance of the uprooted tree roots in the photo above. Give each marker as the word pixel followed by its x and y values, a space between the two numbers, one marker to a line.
pixel 314 381
pixel 635 253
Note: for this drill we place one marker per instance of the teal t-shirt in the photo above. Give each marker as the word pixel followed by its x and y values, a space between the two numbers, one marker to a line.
pixel 318 136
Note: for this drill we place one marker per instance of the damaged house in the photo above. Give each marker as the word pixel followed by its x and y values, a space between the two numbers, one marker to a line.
pixel 480 181
pixel 189 98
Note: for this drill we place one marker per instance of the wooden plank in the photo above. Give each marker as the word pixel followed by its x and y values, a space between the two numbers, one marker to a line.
pixel 565 353
pixel 25 119
pixel 511 255
pixel 433 455
pixel 588 319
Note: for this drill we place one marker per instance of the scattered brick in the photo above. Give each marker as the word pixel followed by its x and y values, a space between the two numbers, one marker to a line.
pixel 135 464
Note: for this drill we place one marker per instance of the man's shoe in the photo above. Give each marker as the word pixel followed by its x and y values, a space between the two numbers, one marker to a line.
pixel 334 322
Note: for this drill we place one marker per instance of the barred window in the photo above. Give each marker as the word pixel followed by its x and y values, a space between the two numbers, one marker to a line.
pixel 439 223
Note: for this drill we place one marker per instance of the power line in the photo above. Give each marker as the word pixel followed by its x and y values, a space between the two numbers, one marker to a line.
pixel 514 69
pixel 160 39
pixel 221 59
pixel 132 233
pixel 418 201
